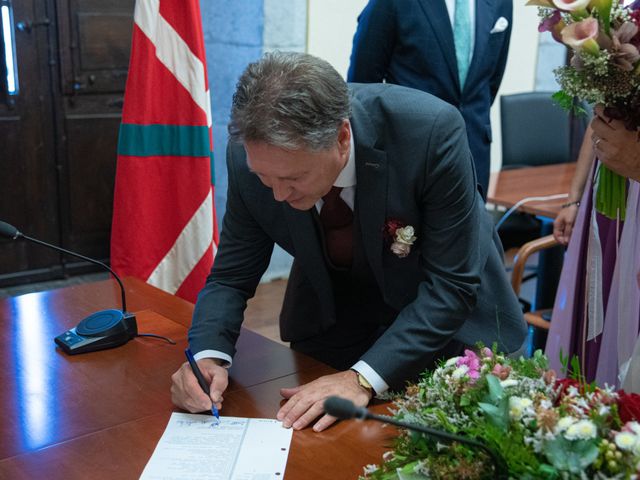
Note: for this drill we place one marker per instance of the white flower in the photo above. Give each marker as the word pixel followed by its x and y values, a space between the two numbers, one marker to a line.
pixel 460 372
pixel 626 440
pixel 564 423
pixel 405 235
pixel 451 361
pixel 368 469
pixel 517 406
pixel 583 429
pixel 509 382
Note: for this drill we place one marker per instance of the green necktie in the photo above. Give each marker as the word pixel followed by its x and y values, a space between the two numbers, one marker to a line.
pixel 462 38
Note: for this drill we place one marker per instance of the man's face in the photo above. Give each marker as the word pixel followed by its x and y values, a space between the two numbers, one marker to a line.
pixel 299 177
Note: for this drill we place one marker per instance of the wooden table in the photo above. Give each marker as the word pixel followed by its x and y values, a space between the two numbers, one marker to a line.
pixel 100 415
pixel 508 187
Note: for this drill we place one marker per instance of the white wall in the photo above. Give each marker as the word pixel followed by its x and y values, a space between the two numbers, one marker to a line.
pixel 520 74
pixel 332 23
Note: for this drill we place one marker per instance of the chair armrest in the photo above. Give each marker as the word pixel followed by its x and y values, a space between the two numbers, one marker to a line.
pixel 522 256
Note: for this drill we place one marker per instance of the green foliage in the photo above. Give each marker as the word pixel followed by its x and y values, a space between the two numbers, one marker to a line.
pixel 571 455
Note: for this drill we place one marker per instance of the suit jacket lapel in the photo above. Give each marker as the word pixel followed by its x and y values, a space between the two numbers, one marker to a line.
pixel 371 188
pixel 438 17
pixel 484 22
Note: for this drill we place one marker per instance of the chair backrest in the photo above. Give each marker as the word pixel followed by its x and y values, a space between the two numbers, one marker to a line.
pixel 535 130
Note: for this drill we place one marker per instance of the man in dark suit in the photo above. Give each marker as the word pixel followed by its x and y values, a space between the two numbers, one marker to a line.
pixel 379 307
pixel 453 49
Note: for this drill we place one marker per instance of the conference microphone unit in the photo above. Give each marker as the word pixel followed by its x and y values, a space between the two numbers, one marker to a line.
pixel 344 409
pixel 100 330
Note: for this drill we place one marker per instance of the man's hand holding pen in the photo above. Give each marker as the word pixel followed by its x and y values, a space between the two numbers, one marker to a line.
pixel 187 393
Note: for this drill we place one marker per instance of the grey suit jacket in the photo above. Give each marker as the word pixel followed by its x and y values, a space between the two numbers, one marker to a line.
pixel 412 164
pixel 410 43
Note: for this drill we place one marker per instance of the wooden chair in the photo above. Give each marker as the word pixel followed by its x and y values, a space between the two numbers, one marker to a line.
pixel 534 318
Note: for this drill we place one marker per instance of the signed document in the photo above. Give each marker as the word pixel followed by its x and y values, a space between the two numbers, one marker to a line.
pixel 198 447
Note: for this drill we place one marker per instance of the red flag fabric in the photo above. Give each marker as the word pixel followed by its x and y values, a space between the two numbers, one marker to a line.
pixel 164 228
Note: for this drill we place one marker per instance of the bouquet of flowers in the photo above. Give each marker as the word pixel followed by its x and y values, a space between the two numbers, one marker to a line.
pixel 540 427
pixel 605 69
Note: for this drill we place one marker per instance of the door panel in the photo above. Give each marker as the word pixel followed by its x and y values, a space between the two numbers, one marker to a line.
pixel 95 41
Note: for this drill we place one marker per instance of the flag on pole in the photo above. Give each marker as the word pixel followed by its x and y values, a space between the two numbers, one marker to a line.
pixel 164 228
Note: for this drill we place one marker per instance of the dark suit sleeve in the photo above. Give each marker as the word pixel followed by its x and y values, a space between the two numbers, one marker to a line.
pixel 498 72
pixel 243 256
pixel 373 43
pixel 455 238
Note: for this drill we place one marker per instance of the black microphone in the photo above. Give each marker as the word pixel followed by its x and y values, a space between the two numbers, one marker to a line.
pixel 345 409
pixel 103 329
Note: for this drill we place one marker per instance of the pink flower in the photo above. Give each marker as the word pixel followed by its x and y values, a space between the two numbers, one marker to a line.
pixel 486 352
pixel 582 35
pixel 472 361
pixel 501 371
pixel 553 24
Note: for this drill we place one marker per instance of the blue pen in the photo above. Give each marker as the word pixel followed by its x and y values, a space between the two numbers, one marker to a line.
pixel 201 380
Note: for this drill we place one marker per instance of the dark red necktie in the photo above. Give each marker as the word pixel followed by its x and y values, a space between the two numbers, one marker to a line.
pixel 337 222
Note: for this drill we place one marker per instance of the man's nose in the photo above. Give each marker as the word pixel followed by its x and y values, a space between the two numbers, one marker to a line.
pixel 281 191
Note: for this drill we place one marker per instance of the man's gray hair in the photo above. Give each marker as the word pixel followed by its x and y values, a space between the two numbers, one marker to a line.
pixel 289 100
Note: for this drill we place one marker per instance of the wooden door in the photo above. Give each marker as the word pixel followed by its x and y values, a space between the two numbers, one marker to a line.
pixel 28 183
pixel 59 140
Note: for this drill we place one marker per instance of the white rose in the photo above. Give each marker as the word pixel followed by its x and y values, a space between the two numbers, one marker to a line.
pixel 405 235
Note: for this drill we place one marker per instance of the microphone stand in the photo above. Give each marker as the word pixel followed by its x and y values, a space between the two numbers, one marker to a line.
pixel 345 409
pixel 82 257
pixel 500 467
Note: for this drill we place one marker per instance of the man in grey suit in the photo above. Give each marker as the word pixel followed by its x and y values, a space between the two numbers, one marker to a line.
pixel 379 307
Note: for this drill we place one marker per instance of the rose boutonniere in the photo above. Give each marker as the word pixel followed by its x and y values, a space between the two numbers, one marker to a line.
pixel 400 236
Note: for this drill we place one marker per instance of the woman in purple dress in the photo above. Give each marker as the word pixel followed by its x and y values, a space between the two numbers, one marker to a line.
pixel 596 315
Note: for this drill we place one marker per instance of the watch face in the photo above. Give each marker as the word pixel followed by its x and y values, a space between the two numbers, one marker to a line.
pixel 363 382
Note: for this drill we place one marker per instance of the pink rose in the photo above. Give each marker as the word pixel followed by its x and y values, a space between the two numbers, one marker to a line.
pixel 501 371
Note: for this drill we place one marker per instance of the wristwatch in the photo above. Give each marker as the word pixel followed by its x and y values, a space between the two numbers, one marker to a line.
pixel 364 383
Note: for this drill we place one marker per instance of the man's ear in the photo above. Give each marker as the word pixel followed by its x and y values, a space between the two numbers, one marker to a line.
pixel 344 137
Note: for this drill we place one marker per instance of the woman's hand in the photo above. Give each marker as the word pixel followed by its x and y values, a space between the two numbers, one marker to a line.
pixel 563 224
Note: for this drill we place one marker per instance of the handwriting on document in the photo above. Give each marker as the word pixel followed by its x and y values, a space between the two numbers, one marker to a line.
pixel 196 447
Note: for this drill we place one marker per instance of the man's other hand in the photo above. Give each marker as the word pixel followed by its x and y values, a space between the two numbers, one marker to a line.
pixel 305 403
pixel 186 392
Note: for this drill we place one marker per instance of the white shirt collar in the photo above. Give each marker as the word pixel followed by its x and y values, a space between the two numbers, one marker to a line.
pixel 347 176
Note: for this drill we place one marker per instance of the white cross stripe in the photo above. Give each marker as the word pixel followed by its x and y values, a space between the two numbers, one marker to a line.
pixel 189 248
